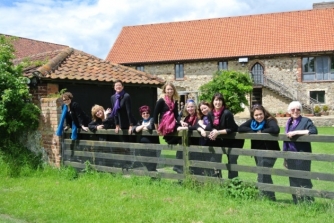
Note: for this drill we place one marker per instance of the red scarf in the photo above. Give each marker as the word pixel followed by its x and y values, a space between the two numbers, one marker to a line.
pixel 191 119
pixel 217 116
pixel 168 122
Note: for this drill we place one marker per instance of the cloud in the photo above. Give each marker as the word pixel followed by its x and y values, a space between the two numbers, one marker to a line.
pixel 93 25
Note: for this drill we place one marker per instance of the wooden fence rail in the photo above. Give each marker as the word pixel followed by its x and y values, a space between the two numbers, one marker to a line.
pixel 101 155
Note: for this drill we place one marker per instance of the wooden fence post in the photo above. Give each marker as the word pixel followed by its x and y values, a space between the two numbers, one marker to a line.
pixel 185 145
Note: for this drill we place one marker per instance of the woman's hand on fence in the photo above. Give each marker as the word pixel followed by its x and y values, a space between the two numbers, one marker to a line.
pixel 100 127
pixel 84 128
pixel 213 134
pixel 285 163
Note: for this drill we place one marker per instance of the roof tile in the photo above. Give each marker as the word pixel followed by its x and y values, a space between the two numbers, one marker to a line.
pixel 264 34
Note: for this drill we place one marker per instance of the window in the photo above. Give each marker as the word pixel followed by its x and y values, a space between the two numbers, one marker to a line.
pixel 318 68
pixel 222 65
pixel 141 68
pixel 179 74
pixel 318 95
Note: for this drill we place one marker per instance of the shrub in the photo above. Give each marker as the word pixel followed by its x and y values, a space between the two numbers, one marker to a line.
pixel 233 85
pixel 316 109
pixel 325 108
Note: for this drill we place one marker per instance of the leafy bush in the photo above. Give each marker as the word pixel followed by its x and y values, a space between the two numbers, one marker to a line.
pixel 316 109
pixel 325 108
pixel 235 188
pixel 233 85
pixel 17 114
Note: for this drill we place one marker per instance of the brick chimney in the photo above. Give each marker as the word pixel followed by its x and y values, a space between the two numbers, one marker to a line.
pixel 323 5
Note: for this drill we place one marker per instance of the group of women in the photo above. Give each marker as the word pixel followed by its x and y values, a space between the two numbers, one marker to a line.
pixel 209 119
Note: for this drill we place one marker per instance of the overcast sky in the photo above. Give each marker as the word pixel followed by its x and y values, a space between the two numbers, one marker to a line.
pixel 93 25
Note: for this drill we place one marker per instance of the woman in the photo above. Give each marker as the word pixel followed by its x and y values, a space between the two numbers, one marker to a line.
pixel 100 119
pixel 298 125
pixel 204 108
pixel 75 117
pixel 121 104
pixel 166 114
pixel 189 123
pixel 147 124
pixel 123 118
pixel 262 121
pixel 223 122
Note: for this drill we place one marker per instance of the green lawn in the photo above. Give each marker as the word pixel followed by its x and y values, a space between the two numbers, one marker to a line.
pixel 57 195
pixel 317 166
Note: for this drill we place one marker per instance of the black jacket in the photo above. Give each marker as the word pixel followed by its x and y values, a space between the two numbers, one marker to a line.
pixel 77 115
pixel 124 117
pixel 305 124
pixel 107 124
pixel 269 127
pixel 227 122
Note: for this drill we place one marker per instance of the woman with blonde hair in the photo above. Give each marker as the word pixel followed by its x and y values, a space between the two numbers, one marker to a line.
pixel 100 119
pixel 166 112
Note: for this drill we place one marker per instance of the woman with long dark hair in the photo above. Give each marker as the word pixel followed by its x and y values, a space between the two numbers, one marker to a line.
pixel 262 121
pixel 222 122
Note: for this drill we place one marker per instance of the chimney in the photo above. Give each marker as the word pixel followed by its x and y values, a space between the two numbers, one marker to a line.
pixel 323 5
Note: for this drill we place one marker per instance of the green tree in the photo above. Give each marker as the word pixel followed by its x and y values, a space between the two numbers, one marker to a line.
pixel 17 113
pixel 233 85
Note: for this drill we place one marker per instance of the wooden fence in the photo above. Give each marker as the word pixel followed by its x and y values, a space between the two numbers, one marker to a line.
pixel 100 152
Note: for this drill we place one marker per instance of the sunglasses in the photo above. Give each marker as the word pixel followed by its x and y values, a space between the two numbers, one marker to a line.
pixel 66 99
pixel 295 109
pixel 257 106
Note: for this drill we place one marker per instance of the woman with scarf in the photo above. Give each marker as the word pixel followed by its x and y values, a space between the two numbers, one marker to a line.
pixel 166 114
pixel 147 124
pixel 123 118
pixel 262 122
pixel 189 123
pixel 75 117
pixel 298 125
pixel 222 122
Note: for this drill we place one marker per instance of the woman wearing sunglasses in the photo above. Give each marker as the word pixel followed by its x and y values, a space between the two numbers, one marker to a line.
pixel 298 125
pixel 147 124
pixel 262 121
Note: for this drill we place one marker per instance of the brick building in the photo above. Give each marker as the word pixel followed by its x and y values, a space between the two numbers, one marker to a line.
pixel 290 55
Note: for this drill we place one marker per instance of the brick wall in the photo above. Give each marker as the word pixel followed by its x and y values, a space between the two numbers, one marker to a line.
pixel 44 139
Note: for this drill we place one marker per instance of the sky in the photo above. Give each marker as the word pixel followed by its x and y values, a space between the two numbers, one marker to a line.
pixel 93 26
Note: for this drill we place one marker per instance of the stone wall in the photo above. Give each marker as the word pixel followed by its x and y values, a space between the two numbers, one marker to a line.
pixel 285 70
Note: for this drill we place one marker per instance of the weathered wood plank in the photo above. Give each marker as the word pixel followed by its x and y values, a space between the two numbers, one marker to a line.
pixel 97 144
pixel 112 156
pixel 257 136
pixel 128 171
pixel 266 170
pixel 263 153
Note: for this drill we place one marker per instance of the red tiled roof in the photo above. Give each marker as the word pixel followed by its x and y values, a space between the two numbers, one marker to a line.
pixel 264 34
pixel 27 47
pixel 70 64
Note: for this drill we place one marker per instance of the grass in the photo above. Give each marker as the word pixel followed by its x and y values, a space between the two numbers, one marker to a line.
pixel 53 195
pixel 317 166
pixel 61 195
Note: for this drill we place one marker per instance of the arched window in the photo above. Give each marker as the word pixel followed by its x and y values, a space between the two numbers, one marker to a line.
pixel 257 73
